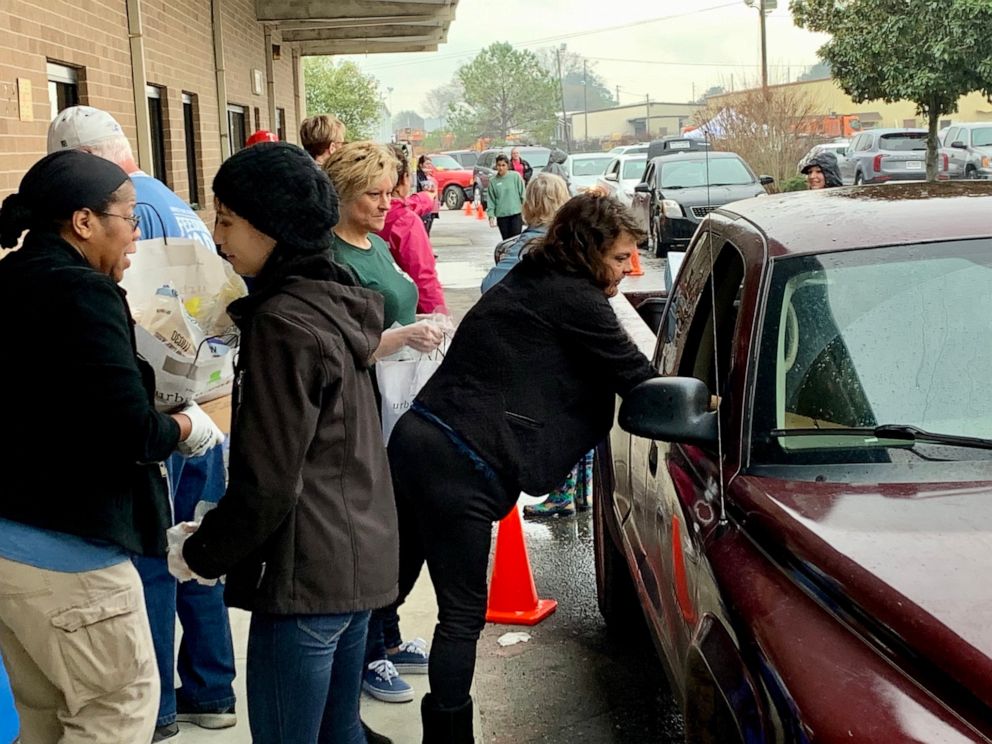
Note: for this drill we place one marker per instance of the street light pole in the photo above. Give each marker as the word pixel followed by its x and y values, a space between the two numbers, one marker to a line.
pixel 561 92
pixel 647 115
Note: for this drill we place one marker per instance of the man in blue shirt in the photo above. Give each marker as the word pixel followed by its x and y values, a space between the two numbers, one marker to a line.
pixel 206 652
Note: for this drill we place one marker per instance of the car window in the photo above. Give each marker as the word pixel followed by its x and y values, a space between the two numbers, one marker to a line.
pixel 590 166
pixel 981 137
pixel 486 159
pixel 445 162
pixel 614 167
pixel 865 143
pixel 903 141
pixel 649 174
pixel 952 135
pixel 536 158
pixel 687 174
pixel 894 335
pixel 633 168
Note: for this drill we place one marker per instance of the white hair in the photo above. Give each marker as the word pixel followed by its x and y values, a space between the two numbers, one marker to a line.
pixel 115 149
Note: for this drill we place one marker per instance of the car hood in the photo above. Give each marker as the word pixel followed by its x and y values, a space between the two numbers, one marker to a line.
pixel 911 558
pixel 715 196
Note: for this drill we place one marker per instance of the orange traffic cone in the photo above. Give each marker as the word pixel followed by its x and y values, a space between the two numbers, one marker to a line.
pixel 512 594
pixel 468 208
pixel 635 264
pixel 480 213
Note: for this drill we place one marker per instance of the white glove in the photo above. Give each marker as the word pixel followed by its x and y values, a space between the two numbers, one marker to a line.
pixel 176 537
pixel 204 434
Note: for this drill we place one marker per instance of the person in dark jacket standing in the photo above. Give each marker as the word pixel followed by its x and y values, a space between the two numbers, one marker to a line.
pixel 527 387
pixel 556 166
pixel 309 504
pixel 73 627
pixel 822 171
pixel 521 166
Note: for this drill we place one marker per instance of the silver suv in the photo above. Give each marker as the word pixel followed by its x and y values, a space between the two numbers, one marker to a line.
pixel 969 146
pixel 881 155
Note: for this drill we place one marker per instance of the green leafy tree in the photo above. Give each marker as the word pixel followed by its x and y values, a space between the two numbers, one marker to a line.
pixel 924 51
pixel 343 90
pixel 506 90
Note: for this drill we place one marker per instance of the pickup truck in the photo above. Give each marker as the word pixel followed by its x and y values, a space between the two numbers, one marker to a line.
pixel 800 504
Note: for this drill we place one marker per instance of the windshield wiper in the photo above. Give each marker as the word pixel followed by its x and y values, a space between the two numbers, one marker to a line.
pixel 735 183
pixel 900 432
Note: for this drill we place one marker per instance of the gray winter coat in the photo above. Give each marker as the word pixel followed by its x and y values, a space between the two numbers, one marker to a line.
pixel 555 167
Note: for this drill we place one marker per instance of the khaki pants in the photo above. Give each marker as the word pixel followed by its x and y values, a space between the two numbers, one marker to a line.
pixel 79 654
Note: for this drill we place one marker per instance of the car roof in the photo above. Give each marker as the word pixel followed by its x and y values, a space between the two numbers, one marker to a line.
pixel 971 125
pixel 846 218
pixel 677 157
pixel 522 148
pixel 587 155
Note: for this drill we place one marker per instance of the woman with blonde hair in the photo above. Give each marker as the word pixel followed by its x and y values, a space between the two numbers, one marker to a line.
pixel 543 198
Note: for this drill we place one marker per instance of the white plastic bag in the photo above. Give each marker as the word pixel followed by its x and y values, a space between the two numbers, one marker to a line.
pixel 399 382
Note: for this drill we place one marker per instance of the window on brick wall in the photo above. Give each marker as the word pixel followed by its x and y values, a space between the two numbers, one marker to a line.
pixel 190 115
pixel 258 119
pixel 281 124
pixel 156 120
pixel 237 126
pixel 63 87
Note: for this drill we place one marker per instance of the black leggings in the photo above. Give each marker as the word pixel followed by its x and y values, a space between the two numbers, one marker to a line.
pixel 510 226
pixel 446 512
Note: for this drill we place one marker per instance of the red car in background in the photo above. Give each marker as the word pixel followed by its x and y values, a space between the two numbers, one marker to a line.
pixel 454 181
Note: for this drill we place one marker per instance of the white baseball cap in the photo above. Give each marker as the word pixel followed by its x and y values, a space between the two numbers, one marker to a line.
pixel 78 126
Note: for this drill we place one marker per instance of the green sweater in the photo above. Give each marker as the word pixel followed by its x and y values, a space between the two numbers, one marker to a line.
pixel 377 270
pixel 505 195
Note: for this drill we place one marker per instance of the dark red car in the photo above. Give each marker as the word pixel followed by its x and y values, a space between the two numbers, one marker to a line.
pixel 454 181
pixel 802 504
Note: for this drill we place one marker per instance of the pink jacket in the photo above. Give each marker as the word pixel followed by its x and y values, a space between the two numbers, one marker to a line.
pixel 411 248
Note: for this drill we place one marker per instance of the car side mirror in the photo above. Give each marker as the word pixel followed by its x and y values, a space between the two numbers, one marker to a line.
pixel 642 188
pixel 610 177
pixel 670 409
pixel 766 180
pixel 959 145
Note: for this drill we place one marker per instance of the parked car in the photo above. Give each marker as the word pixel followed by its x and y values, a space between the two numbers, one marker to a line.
pixel 622 175
pixel 837 147
pixel 881 155
pixel 969 147
pixel 679 190
pixel 454 181
pixel 811 556
pixel 672 145
pixel 585 168
pixel 629 149
pixel 486 166
pixel 467 158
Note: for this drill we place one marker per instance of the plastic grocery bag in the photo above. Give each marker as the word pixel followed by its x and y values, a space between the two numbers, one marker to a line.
pixel 179 290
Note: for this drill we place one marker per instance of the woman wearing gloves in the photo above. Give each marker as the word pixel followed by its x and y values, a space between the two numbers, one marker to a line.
pixel 308 507
pixel 80 459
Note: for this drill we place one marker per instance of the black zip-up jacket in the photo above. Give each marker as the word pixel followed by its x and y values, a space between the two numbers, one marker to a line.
pixel 81 443
pixel 532 375
pixel 308 523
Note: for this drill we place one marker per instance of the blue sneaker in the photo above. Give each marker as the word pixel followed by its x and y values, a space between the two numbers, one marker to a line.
pixel 384 683
pixel 412 657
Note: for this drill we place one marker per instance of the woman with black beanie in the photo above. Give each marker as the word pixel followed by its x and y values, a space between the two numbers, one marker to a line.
pixel 81 475
pixel 309 503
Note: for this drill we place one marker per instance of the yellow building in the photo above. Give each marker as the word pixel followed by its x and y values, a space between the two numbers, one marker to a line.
pixel 641 121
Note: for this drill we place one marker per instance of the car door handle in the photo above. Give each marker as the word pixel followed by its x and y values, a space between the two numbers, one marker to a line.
pixel 653 459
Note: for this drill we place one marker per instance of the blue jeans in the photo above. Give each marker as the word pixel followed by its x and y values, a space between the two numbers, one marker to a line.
pixel 384 632
pixel 305 678
pixel 206 652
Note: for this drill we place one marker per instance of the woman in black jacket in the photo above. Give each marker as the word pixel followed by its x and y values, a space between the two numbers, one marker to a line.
pixel 527 387
pixel 81 448
pixel 309 504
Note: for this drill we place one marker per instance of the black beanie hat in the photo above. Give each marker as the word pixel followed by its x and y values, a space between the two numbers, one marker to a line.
pixel 282 192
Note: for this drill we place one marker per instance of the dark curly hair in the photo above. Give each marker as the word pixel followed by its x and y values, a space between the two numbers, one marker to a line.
pixel 402 163
pixel 581 233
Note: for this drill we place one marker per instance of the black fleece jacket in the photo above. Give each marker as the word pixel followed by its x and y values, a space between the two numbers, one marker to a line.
pixel 81 443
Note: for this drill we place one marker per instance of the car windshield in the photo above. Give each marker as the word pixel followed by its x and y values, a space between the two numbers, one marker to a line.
pixel 689 173
pixel 633 169
pixel 445 162
pixel 981 137
pixel 536 158
pixel 896 336
pixel 903 141
pixel 590 166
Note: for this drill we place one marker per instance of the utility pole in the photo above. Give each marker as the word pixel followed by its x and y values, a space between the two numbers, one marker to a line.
pixel 585 99
pixel 561 92
pixel 647 117
pixel 764 50
pixel 618 95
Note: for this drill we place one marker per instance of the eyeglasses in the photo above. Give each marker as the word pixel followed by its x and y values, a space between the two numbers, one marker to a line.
pixel 134 219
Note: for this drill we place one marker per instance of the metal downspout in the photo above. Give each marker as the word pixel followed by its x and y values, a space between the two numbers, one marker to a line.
pixel 216 21
pixel 270 83
pixel 138 81
pixel 298 99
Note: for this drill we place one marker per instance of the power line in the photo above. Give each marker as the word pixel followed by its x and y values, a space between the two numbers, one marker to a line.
pixel 689 64
pixel 560 37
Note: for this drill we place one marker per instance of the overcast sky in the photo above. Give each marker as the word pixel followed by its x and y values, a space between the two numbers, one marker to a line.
pixel 661 48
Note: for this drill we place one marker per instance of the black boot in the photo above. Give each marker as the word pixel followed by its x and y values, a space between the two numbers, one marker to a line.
pixel 446 726
pixel 373 738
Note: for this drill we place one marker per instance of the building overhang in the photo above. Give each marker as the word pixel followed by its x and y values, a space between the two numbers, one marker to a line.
pixel 332 27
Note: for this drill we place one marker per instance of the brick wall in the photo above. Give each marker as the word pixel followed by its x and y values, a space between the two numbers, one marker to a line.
pixel 178 37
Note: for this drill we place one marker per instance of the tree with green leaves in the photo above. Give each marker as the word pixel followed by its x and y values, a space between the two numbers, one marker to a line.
pixel 506 90
pixel 927 51
pixel 343 90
